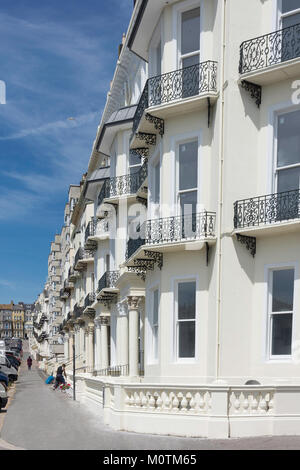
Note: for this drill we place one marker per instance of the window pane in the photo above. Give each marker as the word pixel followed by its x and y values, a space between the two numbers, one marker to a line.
pixel 290 5
pixel 190 31
pixel 155 307
pixel 134 159
pixel 186 339
pixel 156 183
pixel 283 290
pixel 288 139
pixel 186 300
pixel 290 21
pixel 188 203
pixel 188 165
pixel 288 179
pixel 188 62
pixel 281 334
pixel 134 169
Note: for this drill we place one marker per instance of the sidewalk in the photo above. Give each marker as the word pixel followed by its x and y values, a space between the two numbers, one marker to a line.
pixel 40 418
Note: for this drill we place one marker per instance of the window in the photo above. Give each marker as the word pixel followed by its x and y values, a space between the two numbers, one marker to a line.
pixel 188 177
pixel 280 315
pixel 134 163
pixel 155 322
pixel 290 13
pixel 186 319
pixel 190 52
pixel 287 171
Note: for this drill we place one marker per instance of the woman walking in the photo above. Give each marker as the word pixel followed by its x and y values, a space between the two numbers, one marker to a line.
pixel 29 363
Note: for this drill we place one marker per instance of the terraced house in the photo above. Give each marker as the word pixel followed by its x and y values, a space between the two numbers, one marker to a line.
pixel 184 309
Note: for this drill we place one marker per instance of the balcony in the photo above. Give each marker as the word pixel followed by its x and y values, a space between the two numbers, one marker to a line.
pixel 269 214
pixel 180 91
pixel 96 230
pixel 63 295
pixel 175 233
pixel 72 275
pixel 78 311
pixel 272 57
pixel 126 185
pixel 107 292
pixel 88 302
pixel 82 257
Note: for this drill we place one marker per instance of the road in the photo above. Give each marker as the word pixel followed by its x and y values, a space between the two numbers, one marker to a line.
pixel 39 418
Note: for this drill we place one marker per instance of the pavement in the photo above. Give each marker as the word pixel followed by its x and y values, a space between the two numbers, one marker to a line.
pixel 39 418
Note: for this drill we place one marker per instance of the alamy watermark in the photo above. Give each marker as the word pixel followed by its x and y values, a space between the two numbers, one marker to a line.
pixel 2 92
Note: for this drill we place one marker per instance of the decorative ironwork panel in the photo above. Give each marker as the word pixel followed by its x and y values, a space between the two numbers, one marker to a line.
pixel 269 209
pixel 108 280
pixel 250 243
pixel 89 300
pixel 254 90
pixel 124 185
pixel 133 245
pixel 270 49
pixel 180 228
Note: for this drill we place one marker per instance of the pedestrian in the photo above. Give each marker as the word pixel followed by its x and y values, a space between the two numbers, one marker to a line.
pixel 29 363
pixel 60 379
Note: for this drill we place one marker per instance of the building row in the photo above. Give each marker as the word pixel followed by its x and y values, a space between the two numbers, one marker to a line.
pixel 178 263
pixel 16 320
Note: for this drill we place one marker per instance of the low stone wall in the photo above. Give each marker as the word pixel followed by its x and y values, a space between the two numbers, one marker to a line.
pixel 196 411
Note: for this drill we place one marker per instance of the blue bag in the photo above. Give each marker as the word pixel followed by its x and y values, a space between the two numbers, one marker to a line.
pixel 49 380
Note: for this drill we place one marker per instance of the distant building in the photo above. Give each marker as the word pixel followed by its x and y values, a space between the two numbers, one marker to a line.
pixel 16 320
pixel 6 325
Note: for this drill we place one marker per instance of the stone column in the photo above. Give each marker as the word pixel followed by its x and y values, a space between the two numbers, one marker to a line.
pixel 133 308
pixel 90 346
pixel 87 351
pixel 122 336
pixel 66 347
pixel 81 344
pixel 97 358
pixel 104 342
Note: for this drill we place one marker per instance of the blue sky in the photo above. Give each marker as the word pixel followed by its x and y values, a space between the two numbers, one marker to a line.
pixel 57 59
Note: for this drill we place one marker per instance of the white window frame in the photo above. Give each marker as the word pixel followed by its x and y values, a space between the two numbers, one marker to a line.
pixel 157 38
pixel 176 358
pixel 192 138
pixel 269 269
pixel 155 159
pixel 276 113
pixel 281 15
pixel 151 359
pixel 179 9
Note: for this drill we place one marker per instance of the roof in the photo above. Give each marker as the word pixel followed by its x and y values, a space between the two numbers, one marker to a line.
pixel 123 114
pixel 5 306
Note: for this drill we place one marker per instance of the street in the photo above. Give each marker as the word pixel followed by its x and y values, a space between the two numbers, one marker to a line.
pixel 39 418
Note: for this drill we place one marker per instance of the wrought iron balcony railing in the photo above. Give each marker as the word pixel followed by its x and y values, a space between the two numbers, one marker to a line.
pixel 82 254
pixel 89 300
pixel 270 49
pixel 113 371
pixel 91 229
pixel 77 311
pixel 266 210
pixel 108 280
pixel 174 229
pixel 123 185
pixel 179 84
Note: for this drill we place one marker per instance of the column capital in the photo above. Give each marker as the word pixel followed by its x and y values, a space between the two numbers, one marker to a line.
pixel 97 322
pixel 104 320
pixel 134 302
pixel 122 309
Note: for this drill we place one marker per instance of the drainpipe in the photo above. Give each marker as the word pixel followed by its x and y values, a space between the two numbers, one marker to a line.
pixel 221 166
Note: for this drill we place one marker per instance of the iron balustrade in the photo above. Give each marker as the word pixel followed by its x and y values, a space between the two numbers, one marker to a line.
pixel 114 371
pixel 173 229
pixel 123 185
pixel 77 311
pixel 89 300
pixel 108 280
pixel 91 229
pixel 133 245
pixel 179 84
pixel 82 254
pixel 268 209
pixel 270 49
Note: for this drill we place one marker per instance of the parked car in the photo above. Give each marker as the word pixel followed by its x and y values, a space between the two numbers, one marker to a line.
pixel 3 379
pixel 3 396
pixel 7 368
pixel 13 354
pixel 14 362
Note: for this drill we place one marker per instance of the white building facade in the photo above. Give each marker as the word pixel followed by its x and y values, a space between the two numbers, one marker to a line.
pixel 185 311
